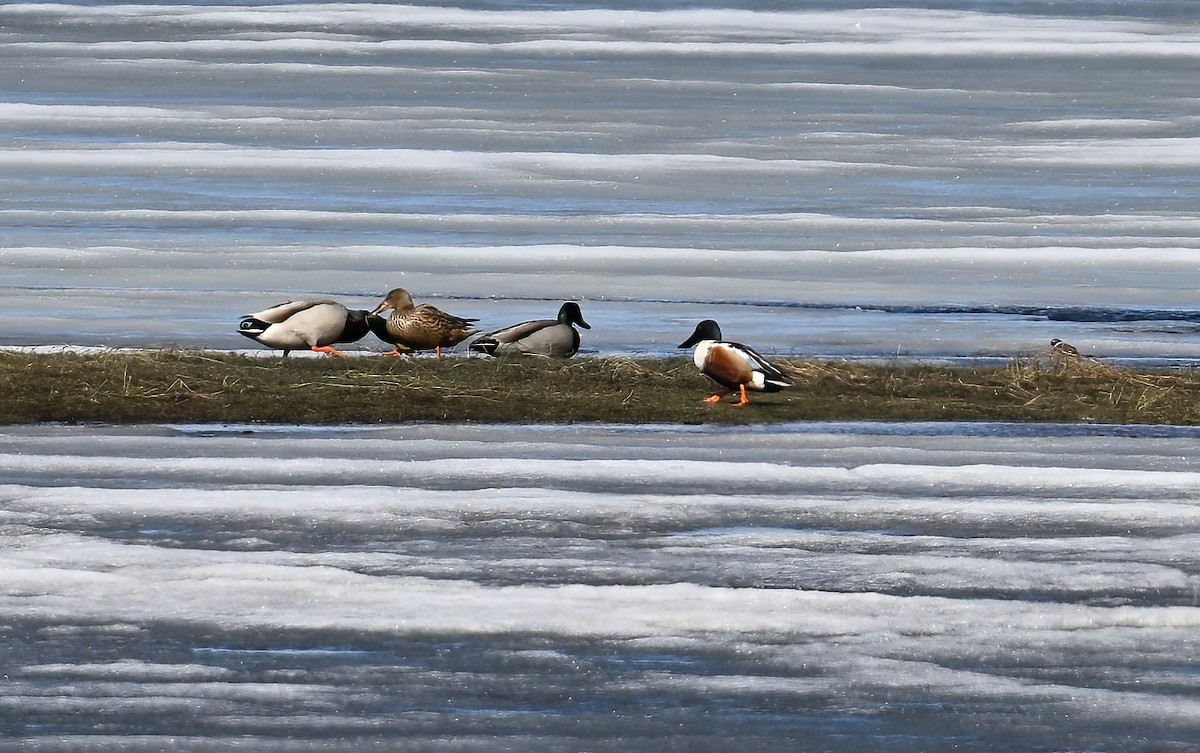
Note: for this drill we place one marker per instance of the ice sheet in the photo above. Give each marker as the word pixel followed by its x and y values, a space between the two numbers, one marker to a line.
pixel 904 181
pixel 770 582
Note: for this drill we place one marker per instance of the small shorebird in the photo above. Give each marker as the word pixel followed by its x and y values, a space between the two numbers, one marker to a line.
pixel 553 338
pixel 314 324
pixel 732 365
pixel 1065 348
pixel 412 327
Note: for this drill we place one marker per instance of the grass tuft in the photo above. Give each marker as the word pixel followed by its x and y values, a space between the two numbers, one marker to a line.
pixel 202 387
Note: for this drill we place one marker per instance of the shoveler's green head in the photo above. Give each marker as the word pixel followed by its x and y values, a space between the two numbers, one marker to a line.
pixel 705 330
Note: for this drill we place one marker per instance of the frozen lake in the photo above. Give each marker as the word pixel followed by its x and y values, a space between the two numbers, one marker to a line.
pixel 928 179
pixel 925 179
pixel 838 587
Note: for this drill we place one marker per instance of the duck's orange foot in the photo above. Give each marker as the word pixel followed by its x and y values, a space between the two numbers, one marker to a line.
pixel 745 400
pixel 328 351
pixel 393 354
pixel 715 398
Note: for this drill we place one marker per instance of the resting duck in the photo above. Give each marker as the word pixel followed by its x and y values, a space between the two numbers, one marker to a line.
pixel 305 324
pixel 732 365
pixel 553 338
pixel 412 327
pixel 1067 349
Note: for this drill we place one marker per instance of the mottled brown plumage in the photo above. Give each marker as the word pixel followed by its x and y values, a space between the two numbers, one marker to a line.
pixel 412 327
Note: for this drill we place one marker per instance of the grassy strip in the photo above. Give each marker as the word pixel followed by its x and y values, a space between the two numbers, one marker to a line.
pixel 188 386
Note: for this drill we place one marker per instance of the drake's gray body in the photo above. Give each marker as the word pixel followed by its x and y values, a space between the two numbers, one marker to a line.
pixel 312 324
pixel 552 338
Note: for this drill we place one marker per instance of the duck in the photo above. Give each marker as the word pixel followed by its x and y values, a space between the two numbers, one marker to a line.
pixel 412 327
pixel 552 338
pixel 732 365
pixel 314 324
pixel 1065 348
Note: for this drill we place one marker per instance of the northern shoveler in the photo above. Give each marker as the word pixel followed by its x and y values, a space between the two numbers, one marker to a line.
pixel 732 365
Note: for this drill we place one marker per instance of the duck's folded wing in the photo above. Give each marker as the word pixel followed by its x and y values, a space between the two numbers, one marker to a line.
pixel 509 339
pixel 554 341
pixel 517 332
pixel 428 313
pixel 769 370
pixel 281 312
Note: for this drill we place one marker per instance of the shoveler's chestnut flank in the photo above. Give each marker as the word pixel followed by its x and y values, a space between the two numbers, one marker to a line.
pixel 553 338
pixel 314 324
pixel 412 327
pixel 732 365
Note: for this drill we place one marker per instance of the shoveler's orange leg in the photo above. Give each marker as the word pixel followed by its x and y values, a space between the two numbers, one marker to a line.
pixel 329 351
pixel 439 352
pixel 394 354
pixel 717 397
pixel 745 400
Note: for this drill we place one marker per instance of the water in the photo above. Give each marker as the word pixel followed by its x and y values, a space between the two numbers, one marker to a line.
pixel 924 180
pixel 841 587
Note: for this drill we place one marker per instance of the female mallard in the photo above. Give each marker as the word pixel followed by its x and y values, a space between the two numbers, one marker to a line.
pixel 305 324
pixel 554 338
pixel 412 327
pixel 732 365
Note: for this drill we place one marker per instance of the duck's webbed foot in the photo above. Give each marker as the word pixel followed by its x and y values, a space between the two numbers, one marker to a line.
pixel 328 351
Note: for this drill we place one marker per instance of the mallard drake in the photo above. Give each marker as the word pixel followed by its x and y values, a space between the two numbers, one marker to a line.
pixel 554 338
pixel 315 324
pixel 412 327
pixel 732 365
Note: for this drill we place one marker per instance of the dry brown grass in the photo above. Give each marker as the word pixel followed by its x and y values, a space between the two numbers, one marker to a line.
pixel 194 386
